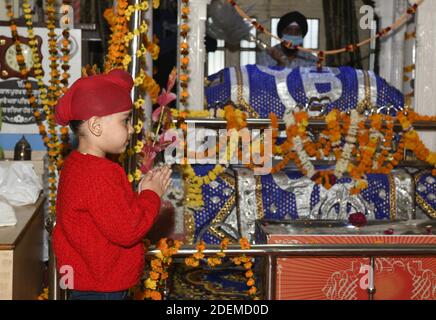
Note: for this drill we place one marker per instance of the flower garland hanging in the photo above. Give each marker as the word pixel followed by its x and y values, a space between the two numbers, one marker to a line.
pixel 247 264
pixel 22 65
pixel 184 52
pixel 194 184
pixel 53 94
pixel 117 49
pixel 159 264
pixel 374 154
pixel 121 40
pixel 66 44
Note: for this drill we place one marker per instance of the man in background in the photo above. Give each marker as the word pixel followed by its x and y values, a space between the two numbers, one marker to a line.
pixel 292 27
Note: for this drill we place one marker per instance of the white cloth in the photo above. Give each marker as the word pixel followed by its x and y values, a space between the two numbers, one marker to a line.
pixel 19 184
pixel 7 215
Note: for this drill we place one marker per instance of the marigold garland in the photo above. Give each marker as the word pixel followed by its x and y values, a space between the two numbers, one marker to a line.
pixel 37 64
pixel 247 264
pixel 374 154
pixel 117 49
pixel 159 268
pixel 184 52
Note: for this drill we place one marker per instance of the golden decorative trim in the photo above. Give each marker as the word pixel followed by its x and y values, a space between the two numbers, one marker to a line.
pixel 428 209
pixel 259 200
pixel 392 198
pixel 366 103
pixel 241 101
pixel 226 209
pixel 222 215
pixel 189 223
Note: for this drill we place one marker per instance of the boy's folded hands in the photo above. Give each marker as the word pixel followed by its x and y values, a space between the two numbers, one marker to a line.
pixel 157 180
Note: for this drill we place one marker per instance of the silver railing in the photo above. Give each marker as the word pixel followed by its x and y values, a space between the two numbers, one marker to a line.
pixel 273 252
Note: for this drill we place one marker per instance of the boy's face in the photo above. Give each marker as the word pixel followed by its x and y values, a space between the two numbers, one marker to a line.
pixel 116 132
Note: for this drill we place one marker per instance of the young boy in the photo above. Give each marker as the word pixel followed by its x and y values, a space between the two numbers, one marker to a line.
pixel 100 220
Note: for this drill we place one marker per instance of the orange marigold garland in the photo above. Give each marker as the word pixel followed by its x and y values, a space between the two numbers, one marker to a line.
pixel 158 275
pixel 194 260
pixel 119 28
pixel 217 259
pixel 247 264
pixel 184 52
pixel 375 154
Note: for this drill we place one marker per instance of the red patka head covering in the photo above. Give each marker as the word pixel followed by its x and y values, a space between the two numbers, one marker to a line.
pixel 98 95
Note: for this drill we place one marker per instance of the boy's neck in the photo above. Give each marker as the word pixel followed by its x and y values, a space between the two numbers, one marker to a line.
pixel 85 148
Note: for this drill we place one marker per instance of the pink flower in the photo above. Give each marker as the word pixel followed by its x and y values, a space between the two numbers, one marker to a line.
pixel 357 219
pixel 156 113
pixel 171 80
pixel 389 232
pixel 151 149
pixel 166 97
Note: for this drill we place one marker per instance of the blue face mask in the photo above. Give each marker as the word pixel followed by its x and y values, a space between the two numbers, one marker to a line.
pixel 296 40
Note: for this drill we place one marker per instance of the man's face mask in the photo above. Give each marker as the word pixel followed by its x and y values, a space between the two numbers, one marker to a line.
pixel 296 40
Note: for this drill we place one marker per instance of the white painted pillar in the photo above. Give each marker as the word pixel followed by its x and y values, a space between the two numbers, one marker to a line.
pixel 197 53
pixel 425 85
pixel 392 47
pixel 410 64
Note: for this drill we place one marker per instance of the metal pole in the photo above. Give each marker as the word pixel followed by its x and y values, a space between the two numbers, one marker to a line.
pixel 270 278
pixel 371 288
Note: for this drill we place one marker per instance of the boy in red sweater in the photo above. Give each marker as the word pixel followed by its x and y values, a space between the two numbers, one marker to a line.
pixel 100 220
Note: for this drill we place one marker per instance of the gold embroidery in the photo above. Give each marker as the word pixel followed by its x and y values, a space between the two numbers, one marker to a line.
pixel 427 208
pixel 189 227
pixel 241 101
pixel 366 103
pixel 226 209
pixel 392 198
pixel 259 200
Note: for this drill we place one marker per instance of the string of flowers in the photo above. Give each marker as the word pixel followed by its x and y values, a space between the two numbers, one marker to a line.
pixel 246 262
pixel 194 184
pixel 119 27
pixel 411 10
pixel 53 94
pixel 66 44
pixel 184 52
pixel 217 259
pixel 22 65
pixel 374 154
pixel 51 141
pixel 159 264
pixel 194 260
pixel 119 58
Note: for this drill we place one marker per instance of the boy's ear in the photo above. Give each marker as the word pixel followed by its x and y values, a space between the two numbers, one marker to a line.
pixel 95 127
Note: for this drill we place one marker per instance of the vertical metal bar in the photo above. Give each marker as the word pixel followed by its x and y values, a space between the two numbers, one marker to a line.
pixel 53 285
pixel 371 286
pixel 270 277
pixel 179 23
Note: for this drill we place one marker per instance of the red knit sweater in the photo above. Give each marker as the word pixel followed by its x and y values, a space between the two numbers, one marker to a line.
pixel 100 224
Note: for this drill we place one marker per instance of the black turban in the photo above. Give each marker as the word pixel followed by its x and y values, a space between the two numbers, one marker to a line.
pixel 290 17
